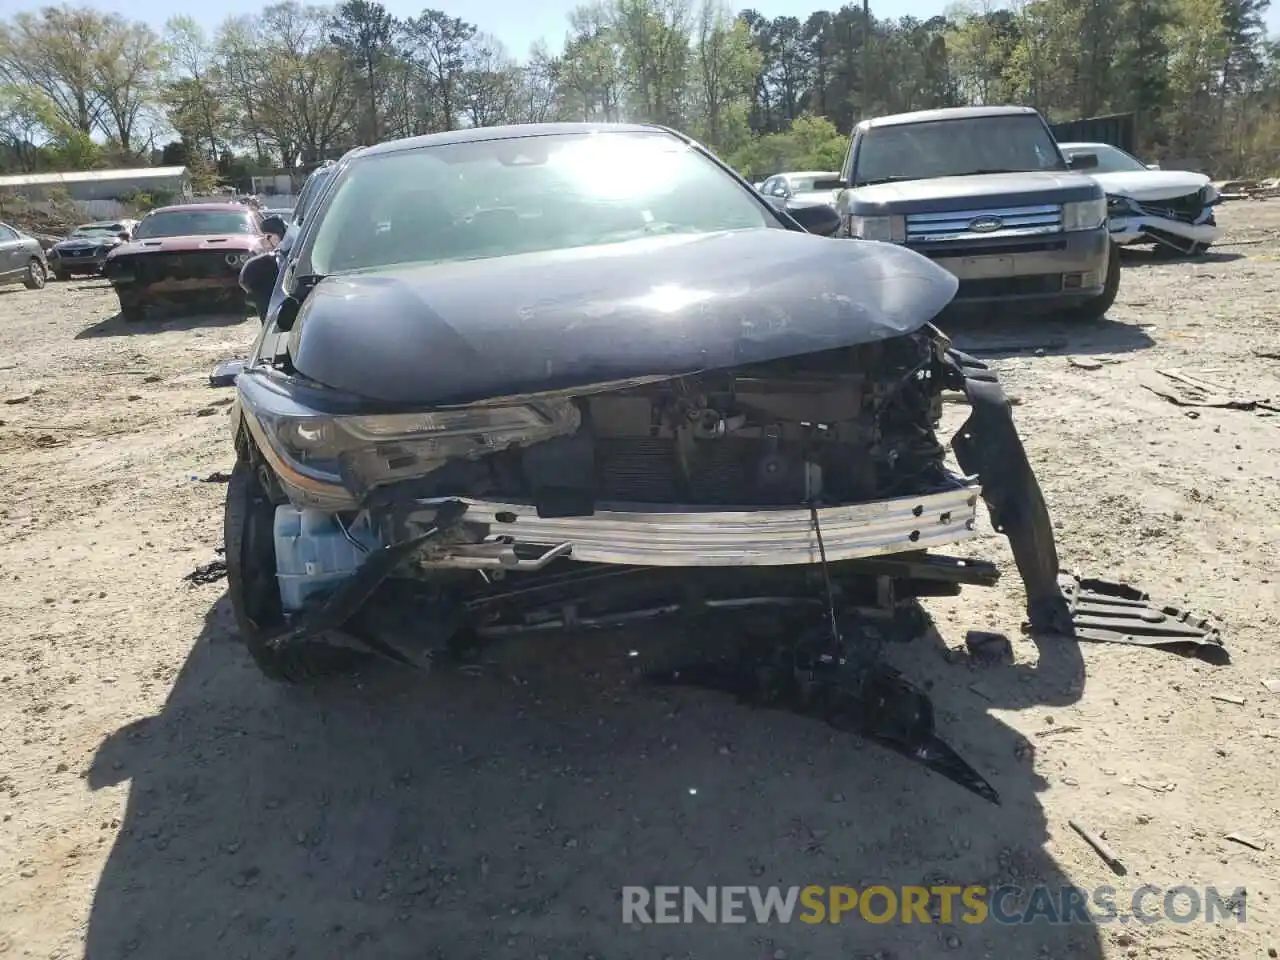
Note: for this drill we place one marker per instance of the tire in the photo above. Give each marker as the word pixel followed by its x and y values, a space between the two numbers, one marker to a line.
pixel 36 275
pixel 132 310
pixel 1096 309
pixel 248 523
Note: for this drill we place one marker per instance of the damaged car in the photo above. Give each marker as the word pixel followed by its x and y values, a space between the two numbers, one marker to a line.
pixel 84 250
pixel 572 375
pixel 1173 209
pixel 186 254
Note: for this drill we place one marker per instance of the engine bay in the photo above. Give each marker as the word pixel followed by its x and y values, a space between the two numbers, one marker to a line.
pixel 840 426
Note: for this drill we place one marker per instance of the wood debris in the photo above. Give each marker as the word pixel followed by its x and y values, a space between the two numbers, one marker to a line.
pixel 1241 839
pixel 1101 848
pixel 1189 391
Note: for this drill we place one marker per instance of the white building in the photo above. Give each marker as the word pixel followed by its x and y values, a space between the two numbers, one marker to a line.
pixel 89 185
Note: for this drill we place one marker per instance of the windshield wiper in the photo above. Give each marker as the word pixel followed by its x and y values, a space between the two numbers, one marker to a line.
pixel 879 180
pixel 986 170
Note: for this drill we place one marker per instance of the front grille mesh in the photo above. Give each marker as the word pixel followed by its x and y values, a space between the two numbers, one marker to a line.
pixel 957 224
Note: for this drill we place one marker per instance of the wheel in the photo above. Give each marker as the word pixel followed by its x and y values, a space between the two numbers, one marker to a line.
pixel 35 276
pixel 1097 308
pixel 248 522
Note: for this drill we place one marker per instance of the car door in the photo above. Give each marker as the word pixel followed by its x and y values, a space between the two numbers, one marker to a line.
pixel 11 260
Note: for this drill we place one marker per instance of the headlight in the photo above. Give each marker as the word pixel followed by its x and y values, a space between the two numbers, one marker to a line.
pixel 362 452
pixel 237 259
pixel 1118 205
pixel 1084 214
pixel 1209 194
pixel 891 229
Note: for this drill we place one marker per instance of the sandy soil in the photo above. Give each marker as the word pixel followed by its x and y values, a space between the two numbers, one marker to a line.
pixel 160 799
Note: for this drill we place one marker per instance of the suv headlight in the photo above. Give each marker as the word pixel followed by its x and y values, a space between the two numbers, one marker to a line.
pixel 1084 214
pixel 892 229
pixel 1209 194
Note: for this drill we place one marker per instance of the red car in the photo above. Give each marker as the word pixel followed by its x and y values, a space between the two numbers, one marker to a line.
pixel 186 254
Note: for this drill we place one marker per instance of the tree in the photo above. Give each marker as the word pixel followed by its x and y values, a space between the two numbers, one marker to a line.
pixel 725 64
pixel 489 88
pixel 126 69
pixel 195 96
pixel 364 32
pixel 437 43
pixel 56 52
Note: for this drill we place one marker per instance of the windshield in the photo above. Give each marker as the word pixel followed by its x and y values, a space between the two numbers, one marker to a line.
pixel 496 198
pixel 194 223
pixel 951 148
pixel 310 191
pixel 1110 159
pixel 96 229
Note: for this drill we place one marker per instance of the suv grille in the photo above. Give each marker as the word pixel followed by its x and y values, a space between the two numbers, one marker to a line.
pixel 1007 222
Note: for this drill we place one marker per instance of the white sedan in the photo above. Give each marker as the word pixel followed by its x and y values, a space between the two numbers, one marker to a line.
pixel 1170 208
pixel 812 185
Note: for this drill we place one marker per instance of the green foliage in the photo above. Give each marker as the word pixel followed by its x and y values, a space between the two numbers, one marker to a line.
pixel 810 143
pixel 296 83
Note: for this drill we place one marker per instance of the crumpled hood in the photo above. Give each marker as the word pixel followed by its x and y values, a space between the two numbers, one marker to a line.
pixel 231 243
pixel 1152 184
pixel 944 194
pixel 86 243
pixel 584 318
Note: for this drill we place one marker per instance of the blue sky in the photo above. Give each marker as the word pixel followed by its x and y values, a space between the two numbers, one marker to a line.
pixel 499 17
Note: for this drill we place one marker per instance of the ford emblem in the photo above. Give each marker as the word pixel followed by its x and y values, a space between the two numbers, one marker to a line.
pixel 985 224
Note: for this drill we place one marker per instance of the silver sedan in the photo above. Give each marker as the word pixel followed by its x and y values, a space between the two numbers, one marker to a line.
pixel 22 259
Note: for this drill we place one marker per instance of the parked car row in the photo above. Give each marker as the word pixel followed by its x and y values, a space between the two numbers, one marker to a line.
pixel 1172 210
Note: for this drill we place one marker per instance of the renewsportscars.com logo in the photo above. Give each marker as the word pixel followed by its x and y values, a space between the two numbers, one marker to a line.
pixel 936 904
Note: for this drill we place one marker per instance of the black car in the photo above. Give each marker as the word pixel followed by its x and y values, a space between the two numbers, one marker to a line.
pixel 563 374
pixel 85 249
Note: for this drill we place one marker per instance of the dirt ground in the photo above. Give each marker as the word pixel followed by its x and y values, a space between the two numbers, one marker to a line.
pixel 160 799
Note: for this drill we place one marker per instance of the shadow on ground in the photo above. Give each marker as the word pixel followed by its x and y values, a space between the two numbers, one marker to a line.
pixel 117 326
pixel 1006 333
pixel 498 816
pixel 1150 257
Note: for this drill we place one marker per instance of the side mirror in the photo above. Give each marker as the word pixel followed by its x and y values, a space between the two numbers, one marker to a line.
pixel 817 218
pixel 124 235
pixel 258 279
pixel 274 225
pixel 1083 161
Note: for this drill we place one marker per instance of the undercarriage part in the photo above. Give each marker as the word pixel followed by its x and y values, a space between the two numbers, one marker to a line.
pixel 988 446
pixel 878 591
pixel 1167 238
pixel 225 373
pixel 1103 611
pixel 854 692
pixel 346 601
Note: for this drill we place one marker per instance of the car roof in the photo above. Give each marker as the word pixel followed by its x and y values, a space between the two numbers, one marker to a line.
pixel 1088 146
pixel 192 207
pixel 510 132
pixel 810 173
pixel 944 113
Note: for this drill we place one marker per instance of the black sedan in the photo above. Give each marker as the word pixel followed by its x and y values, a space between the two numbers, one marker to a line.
pixel 577 374
pixel 85 249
